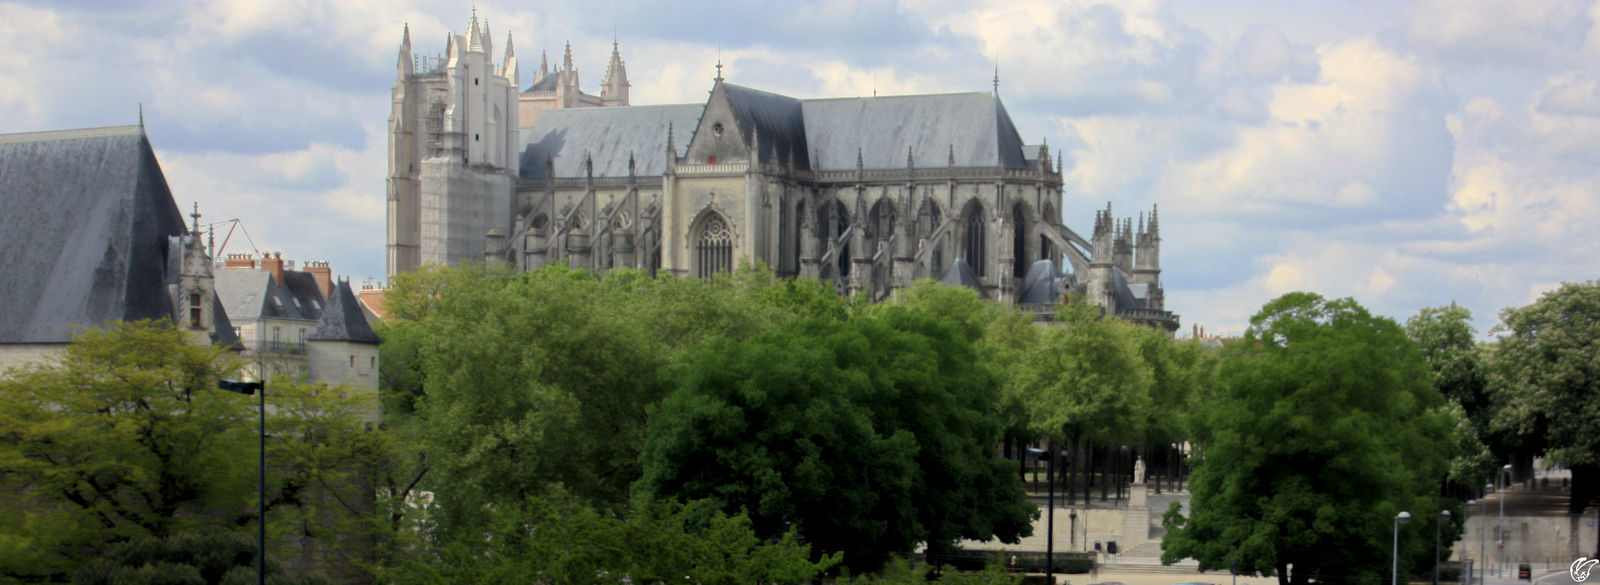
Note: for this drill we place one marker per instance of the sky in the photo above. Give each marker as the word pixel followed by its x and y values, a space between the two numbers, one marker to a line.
pixel 1405 154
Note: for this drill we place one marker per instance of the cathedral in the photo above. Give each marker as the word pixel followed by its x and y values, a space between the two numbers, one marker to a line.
pixel 867 193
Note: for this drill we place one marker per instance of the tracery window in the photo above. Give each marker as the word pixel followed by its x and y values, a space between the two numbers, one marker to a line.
pixel 975 239
pixel 714 249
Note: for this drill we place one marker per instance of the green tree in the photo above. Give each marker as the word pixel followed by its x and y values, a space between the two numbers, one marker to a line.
pixel 121 437
pixel 125 438
pixel 197 558
pixel 1322 428
pixel 869 436
pixel 517 382
pixel 560 539
pixel 1445 337
pixel 1546 370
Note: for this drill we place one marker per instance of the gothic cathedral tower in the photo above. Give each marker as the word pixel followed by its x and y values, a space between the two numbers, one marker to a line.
pixel 453 149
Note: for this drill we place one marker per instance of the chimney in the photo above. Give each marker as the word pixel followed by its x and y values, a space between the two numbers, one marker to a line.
pixel 324 275
pixel 274 264
pixel 240 260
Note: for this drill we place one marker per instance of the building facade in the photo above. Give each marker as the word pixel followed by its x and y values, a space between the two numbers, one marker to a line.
pixel 300 323
pixel 867 193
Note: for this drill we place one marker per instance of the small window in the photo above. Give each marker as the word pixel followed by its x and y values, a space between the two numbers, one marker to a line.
pixel 716 129
pixel 474 137
pixel 237 332
pixel 474 81
pixel 352 361
pixel 275 331
pixel 277 301
pixel 302 337
pixel 316 304
pixel 194 299
pixel 296 302
pixel 194 319
pixel 374 364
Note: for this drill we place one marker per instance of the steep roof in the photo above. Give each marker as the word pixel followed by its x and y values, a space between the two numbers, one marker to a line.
pixel 960 274
pixel 974 126
pixel 547 83
pixel 779 121
pixel 607 135
pixel 88 214
pixel 250 293
pixel 343 319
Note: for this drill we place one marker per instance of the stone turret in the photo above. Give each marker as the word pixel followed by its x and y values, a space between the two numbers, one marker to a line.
pixel 614 89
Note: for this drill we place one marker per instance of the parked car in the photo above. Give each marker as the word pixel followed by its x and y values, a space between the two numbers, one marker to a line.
pixel 1525 571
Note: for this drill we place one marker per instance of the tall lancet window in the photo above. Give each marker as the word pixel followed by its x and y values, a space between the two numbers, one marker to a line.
pixel 973 250
pixel 714 250
pixel 1019 241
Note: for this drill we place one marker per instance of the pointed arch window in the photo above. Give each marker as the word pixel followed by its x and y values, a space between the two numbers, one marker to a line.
pixel 1019 241
pixel 974 245
pixel 714 248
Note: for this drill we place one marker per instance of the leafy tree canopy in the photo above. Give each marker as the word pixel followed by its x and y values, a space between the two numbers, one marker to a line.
pixel 869 435
pixel 1546 370
pixel 123 436
pixel 1322 428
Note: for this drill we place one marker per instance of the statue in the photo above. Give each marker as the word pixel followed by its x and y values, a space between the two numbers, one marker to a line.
pixel 1138 471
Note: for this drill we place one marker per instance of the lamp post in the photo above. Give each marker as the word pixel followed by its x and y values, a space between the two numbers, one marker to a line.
pixel 1050 530
pixel 1399 519
pixel 1466 552
pixel 1483 532
pixel 1072 531
pixel 1500 533
pixel 1444 516
pixel 259 389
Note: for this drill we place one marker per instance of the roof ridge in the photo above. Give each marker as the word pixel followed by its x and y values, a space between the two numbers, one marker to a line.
pixel 41 136
pixel 901 96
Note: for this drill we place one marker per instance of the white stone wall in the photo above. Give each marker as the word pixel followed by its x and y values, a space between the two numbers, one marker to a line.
pixel 343 362
pixel 1531 539
pixel 16 355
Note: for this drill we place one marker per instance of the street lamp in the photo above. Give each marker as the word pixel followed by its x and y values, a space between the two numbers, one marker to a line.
pixel 259 389
pixel 1050 530
pixel 1466 552
pixel 1483 532
pixel 1444 516
pixel 1399 519
pixel 1072 532
pixel 1500 533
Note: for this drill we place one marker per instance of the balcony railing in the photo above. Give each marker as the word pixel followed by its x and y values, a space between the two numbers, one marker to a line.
pixel 283 347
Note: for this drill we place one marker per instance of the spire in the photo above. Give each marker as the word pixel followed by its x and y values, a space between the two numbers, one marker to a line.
pixel 909 163
pixel 474 34
pixel 719 65
pixel 566 60
pixel 141 117
pixel 544 63
pixel 196 215
pixel 614 88
pixel 510 68
pixel 952 155
pixel 997 77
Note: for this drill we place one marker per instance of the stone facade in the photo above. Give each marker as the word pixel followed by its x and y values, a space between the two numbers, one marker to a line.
pixel 867 193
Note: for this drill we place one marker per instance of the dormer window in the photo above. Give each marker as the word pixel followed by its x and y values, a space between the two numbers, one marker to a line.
pixel 296 302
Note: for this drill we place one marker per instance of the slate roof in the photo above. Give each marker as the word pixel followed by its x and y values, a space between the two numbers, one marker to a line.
pixel 547 83
pixel 975 125
pixel 609 136
pixel 1043 285
pixel 960 274
pixel 250 293
pixel 343 319
pixel 87 218
pixel 780 120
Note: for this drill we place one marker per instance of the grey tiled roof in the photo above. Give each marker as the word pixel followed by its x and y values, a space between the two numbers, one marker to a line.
pixel 609 136
pixel 85 231
pixel 960 274
pixel 343 320
pixel 884 129
pixel 251 293
pixel 780 120
pixel 1043 284
pixel 973 127
pixel 546 83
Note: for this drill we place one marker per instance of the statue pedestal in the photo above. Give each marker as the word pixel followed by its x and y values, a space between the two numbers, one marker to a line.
pixel 1136 522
